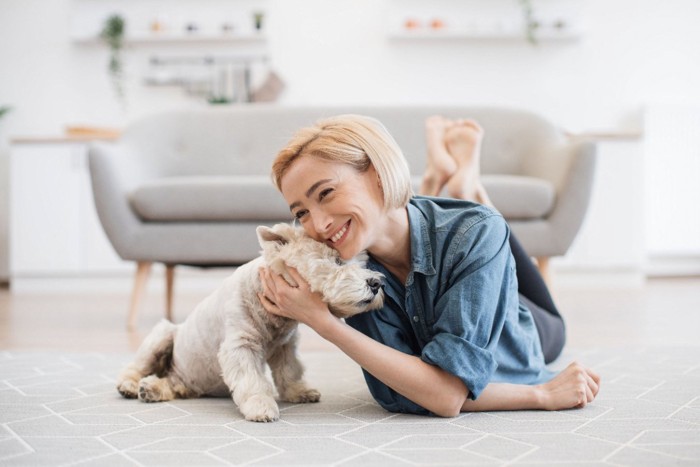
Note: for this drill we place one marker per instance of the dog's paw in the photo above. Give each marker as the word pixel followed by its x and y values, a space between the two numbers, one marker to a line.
pixel 302 395
pixel 128 388
pixel 154 389
pixel 258 408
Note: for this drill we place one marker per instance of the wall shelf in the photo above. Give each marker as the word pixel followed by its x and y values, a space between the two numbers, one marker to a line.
pixel 172 38
pixel 570 35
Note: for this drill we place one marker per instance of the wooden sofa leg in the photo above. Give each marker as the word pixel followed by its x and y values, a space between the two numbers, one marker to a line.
pixel 169 279
pixel 543 266
pixel 143 269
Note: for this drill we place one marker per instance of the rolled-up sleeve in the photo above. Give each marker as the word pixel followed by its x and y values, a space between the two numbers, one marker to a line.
pixel 471 311
pixel 388 327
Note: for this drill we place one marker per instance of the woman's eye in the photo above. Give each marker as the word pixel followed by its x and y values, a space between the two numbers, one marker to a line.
pixel 325 193
pixel 299 214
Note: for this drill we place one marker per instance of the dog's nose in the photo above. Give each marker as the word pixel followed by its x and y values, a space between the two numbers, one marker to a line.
pixel 374 285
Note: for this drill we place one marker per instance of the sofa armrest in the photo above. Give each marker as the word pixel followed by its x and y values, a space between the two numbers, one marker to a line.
pixel 573 194
pixel 109 188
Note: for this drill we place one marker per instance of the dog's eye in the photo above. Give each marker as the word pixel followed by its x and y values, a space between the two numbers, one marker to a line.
pixel 338 261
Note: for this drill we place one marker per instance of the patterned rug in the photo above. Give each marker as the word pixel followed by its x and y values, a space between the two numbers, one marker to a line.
pixel 62 409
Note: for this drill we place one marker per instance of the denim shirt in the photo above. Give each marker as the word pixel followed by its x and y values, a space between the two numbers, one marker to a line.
pixel 459 309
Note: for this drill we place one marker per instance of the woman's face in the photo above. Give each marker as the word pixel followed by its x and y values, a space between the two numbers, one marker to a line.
pixel 336 204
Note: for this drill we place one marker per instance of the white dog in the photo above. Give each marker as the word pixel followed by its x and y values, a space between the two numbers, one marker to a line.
pixel 222 347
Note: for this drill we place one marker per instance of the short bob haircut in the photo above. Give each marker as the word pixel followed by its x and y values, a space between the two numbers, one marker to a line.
pixel 355 140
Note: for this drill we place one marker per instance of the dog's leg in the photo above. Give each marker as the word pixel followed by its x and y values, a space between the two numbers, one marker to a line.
pixel 288 372
pixel 153 357
pixel 243 370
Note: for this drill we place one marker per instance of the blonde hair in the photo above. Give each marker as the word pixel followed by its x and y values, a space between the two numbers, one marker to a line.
pixel 355 140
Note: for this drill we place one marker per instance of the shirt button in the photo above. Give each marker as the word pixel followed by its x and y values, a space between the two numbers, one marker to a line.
pixel 416 319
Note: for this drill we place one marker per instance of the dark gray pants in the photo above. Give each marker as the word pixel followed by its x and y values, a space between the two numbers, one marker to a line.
pixel 534 294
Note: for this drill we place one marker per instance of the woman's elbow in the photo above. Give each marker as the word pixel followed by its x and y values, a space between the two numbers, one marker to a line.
pixel 448 412
pixel 449 404
pixel 449 407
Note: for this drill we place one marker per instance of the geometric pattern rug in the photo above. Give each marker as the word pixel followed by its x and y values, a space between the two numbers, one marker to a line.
pixel 63 409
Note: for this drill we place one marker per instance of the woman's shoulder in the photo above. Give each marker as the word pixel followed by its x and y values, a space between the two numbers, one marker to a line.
pixel 458 228
pixel 451 214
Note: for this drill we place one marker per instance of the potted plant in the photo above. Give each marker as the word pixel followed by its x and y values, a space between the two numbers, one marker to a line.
pixel 531 24
pixel 258 18
pixel 113 35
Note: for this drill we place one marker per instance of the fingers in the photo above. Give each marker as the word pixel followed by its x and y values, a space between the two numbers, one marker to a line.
pixel 586 383
pixel 268 285
pixel 278 296
pixel 297 278
pixel 595 377
pixel 589 394
pixel 268 297
pixel 268 304
pixel 593 381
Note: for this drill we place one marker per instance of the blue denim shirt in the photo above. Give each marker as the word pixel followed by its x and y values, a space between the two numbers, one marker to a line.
pixel 459 309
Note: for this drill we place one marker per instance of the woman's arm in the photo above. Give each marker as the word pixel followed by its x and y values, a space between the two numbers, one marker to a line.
pixel 573 387
pixel 428 386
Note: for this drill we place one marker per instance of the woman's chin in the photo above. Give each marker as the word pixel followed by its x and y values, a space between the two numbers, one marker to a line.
pixel 346 253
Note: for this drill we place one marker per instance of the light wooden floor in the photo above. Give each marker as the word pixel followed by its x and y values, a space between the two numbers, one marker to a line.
pixel 663 311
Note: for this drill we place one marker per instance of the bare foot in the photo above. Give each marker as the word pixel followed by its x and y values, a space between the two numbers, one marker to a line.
pixel 441 166
pixel 463 143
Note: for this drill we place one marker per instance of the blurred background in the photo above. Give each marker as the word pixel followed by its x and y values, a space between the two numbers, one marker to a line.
pixel 623 73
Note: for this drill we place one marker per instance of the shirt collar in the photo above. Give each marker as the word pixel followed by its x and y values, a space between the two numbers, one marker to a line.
pixel 421 246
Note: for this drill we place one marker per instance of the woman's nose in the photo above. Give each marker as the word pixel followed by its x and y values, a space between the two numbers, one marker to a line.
pixel 322 222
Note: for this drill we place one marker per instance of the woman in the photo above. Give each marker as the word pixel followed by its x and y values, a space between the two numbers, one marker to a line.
pixel 454 334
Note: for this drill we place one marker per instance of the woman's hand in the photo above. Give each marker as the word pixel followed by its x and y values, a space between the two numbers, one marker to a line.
pixel 573 387
pixel 297 303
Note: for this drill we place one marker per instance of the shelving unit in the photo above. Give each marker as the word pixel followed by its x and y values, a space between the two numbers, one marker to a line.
pixel 215 50
pixel 172 21
pixel 177 38
pixel 475 20
pixel 569 35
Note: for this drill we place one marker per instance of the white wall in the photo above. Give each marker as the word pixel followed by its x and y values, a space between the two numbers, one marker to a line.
pixel 337 51
pixel 632 52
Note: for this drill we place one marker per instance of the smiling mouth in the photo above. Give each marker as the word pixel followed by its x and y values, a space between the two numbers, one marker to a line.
pixel 340 234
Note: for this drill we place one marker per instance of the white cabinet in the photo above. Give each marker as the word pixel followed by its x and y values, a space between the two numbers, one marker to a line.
pixel 54 229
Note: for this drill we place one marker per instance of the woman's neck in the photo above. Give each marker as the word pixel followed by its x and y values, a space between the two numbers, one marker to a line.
pixel 393 248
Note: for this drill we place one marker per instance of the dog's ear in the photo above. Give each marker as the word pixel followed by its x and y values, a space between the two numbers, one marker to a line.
pixel 272 234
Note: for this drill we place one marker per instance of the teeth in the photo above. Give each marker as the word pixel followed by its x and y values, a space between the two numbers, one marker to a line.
pixel 340 233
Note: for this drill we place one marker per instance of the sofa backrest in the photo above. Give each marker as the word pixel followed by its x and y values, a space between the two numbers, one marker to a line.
pixel 243 140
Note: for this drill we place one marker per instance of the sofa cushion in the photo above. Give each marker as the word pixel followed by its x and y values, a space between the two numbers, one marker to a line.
pixel 520 197
pixel 209 198
pixel 254 198
pixel 516 197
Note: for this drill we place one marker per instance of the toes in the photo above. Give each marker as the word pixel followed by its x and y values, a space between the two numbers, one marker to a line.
pixel 304 397
pixel 435 121
pixel 128 389
pixel 472 124
pixel 259 408
pixel 154 389
pixel 146 394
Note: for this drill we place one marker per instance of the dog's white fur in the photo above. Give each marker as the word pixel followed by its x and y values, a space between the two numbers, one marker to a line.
pixel 222 347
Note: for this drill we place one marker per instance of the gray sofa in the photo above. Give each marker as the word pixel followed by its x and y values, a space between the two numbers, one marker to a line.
pixel 189 187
